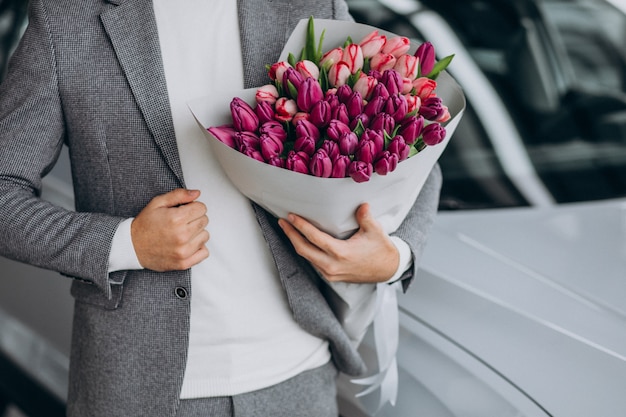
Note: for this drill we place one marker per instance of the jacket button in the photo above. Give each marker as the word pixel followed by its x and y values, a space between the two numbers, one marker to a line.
pixel 181 293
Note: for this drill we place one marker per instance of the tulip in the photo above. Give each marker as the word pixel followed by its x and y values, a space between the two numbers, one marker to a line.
pixel 376 137
pixel 354 105
pixel 338 74
pixel 308 69
pixel 407 66
pixel 372 44
pixel 276 161
pixel 407 86
pixel 224 134
pixel 367 151
pixel 273 128
pixel 411 129
pixel 244 117
pixel 309 93
pixel 413 102
pixel 267 93
pixel 348 143
pixel 331 148
pixel 320 164
pixel 432 108
pixel 277 70
pixel 424 87
pixel 365 85
pixel 399 147
pixel 343 93
pixel 337 128
pixel 285 109
pixel 397 46
pixel 433 134
pixel 382 62
pixel 333 100
pixel 426 55
pixel 374 106
pixel 320 114
pixel 386 163
pixel 392 80
pixel 340 166
pixel 246 140
pixel 252 153
pixel 360 171
pixel 305 144
pixel 293 77
pixel 341 113
pixel 397 107
pixel 375 74
pixel 264 111
pixel 362 118
pixel 270 146
pixel 353 56
pixel 444 116
pixel 383 121
pixel 380 91
pixel 307 128
pixel 299 116
pixel 331 57
pixel 298 162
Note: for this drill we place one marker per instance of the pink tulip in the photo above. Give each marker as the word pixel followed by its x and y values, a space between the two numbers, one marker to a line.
pixel 377 139
pixel 338 74
pixel 360 171
pixel 267 93
pixel 244 117
pixel 299 116
pixel 444 116
pixel 277 70
pixel 293 77
pixel 382 62
pixel 414 102
pixel 252 153
pixel 367 151
pixel 426 55
pixel 397 46
pixel 407 86
pixel 320 164
pixel 407 66
pixel 353 56
pixel 372 44
pixel 424 87
pixel 331 57
pixel 343 93
pixel 224 134
pixel 308 69
pixel 365 85
pixel 433 134
pixel 354 104
pixel 374 106
pixel 360 118
pixel 285 109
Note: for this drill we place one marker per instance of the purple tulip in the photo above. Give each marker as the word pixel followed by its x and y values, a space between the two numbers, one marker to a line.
pixel 320 114
pixel 374 106
pixel 397 106
pixel 380 91
pixel 366 151
pixel 348 143
pixel 376 137
pixel 343 93
pixel 306 128
pixel 336 128
pixel 399 147
pixel 252 153
pixel 392 80
pixel 294 77
pixel 276 161
pixel 433 134
pixel 386 163
pixel 354 105
pixel 273 128
pixel 264 111
pixel 431 108
pixel 320 164
pixel 246 140
pixel 426 55
pixel 331 148
pixel 411 129
pixel 309 93
pixel 304 144
pixel 298 162
pixel 360 171
pixel 340 166
pixel 375 74
pixel 363 118
pixel 270 146
pixel 244 117
pixel 341 113
pixel 383 121
pixel 224 134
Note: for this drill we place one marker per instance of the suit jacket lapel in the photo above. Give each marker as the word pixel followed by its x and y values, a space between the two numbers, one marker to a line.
pixel 132 28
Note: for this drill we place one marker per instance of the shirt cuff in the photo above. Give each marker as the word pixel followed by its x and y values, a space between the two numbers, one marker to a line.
pixel 406 258
pixel 123 256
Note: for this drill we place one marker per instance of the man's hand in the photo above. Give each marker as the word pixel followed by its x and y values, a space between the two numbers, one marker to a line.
pixel 368 256
pixel 170 232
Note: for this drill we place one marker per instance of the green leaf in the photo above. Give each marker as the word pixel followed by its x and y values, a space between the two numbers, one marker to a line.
pixel 359 129
pixel 440 66
pixel 320 52
pixel 293 92
pixel 291 59
pixel 310 47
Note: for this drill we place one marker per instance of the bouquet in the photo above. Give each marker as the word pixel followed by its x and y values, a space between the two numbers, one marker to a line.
pixel 360 120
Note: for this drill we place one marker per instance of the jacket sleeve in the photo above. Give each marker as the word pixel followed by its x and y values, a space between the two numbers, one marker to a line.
pixel 32 230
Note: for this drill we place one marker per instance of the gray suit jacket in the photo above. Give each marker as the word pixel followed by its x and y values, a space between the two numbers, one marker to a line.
pixel 88 74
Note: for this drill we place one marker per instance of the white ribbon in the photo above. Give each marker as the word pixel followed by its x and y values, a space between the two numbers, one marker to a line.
pixel 386 329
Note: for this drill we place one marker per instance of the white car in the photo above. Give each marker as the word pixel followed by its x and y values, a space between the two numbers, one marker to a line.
pixel 520 305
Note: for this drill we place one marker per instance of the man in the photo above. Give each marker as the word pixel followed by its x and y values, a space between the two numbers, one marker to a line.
pixel 169 320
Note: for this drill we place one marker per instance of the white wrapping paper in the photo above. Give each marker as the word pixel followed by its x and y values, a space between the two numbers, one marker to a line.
pixel 330 203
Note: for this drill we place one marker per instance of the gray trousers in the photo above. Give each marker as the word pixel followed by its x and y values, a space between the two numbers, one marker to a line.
pixel 310 394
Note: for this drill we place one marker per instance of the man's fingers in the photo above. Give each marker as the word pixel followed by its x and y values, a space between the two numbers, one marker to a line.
pixel 177 197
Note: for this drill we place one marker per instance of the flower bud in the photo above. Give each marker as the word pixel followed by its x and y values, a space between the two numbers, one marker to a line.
pixel 320 164
pixel 397 46
pixel 365 85
pixel 383 121
pixel 360 171
pixel 444 116
pixel 277 70
pixel 433 134
pixel 374 106
pixel 363 118
pixel 413 102
pixel 411 129
pixel 424 87
pixel 343 93
pixel 340 166
pixel 246 140
pixel 276 161
pixel 293 77
pixel 338 74
pixel 354 105
pixel 270 146
pixel 382 62
pixel 309 93
pixel 392 80
pixel 285 109
pixel 273 128
pixel 331 148
pixel 377 139
pixel 397 107
pixel 244 117
pixel 372 44
pixel 426 55
pixel 306 128
pixel 348 143
pixel 399 147
pixel 353 56
pixel 337 128
pixel 298 162
pixel 299 116
pixel 224 134
pixel 331 57
pixel 366 151
pixel 308 69
pixel 264 111
pixel 341 113
pixel 320 114
pixel 407 66
pixel 431 108
pixel 386 163
pixel 304 144
pixel 252 153
pixel 380 91
pixel 267 93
